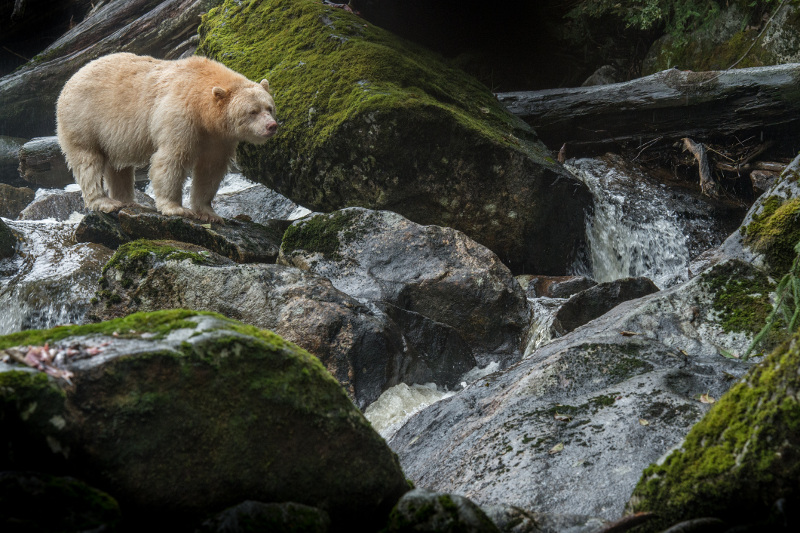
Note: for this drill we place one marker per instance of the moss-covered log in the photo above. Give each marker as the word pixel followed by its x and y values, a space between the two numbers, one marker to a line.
pixel 374 121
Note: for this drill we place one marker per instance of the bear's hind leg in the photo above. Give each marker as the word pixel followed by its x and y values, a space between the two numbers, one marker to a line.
pixel 167 176
pixel 119 183
pixel 88 166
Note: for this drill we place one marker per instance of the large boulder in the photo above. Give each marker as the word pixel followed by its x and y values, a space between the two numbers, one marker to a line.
pixel 179 415
pixel 374 121
pixel 569 429
pixel 363 349
pixel 14 199
pixel 740 459
pixel 423 276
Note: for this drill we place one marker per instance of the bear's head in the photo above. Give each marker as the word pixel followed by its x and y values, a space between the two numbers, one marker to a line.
pixel 250 111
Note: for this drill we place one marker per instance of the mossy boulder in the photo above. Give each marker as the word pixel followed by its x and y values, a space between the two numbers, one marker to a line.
pixel 421 510
pixel 729 39
pixel 70 504
pixel 180 414
pixel 374 121
pixel 740 458
pixel 361 347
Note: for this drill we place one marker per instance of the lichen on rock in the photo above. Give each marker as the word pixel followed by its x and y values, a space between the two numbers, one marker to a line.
pixel 372 120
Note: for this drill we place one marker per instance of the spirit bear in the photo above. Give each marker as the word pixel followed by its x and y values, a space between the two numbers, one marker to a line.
pixel 122 111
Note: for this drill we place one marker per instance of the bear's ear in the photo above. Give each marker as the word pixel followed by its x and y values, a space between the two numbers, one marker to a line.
pixel 219 93
pixel 265 85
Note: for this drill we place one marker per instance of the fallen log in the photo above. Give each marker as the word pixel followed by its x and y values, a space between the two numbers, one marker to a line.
pixel 162 28
pixel 667 106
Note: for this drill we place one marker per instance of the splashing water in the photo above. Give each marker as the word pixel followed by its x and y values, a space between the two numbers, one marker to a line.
pixel 398 404
pixel 50 280
pixel 633 231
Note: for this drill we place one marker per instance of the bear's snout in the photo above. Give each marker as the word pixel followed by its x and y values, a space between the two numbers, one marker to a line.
pixel 272 127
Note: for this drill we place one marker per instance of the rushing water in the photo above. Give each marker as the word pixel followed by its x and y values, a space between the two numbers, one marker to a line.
pixel 51 280
pixel 633 231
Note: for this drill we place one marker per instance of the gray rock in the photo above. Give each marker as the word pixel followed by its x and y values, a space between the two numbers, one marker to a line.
pixel 41 163
pixel 101 228
pixel 242 241
pixel 258 202
pixel 421 510
pixel 9 160
pixel 14 199
pixel 362 348
pixel 213 411
pixel 599 299
pixel 8 241
pixel 58 204
pixel 251 516
pixel 603 76
pixel 510 519
pixel 583 415
pixel 438 273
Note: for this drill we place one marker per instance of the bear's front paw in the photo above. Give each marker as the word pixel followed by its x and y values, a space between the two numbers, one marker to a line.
pixel 177 210
pixel 106 205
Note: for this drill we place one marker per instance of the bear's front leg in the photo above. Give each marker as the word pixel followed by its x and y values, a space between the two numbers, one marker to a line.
pixel 207 176
pixel 167 175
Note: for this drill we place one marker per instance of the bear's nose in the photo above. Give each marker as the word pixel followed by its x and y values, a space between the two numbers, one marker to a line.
pixel 272 127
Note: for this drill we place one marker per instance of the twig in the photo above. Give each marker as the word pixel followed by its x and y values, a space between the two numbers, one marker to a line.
pixel 707 184
pixel 9 50
pixel 645 146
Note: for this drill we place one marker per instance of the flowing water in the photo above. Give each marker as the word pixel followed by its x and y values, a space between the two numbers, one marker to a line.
pixel 51 280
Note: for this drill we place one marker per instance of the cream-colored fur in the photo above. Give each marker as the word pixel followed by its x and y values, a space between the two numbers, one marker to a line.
pixel 122 111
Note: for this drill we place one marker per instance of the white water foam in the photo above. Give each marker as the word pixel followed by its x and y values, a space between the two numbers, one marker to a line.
pixel 632 231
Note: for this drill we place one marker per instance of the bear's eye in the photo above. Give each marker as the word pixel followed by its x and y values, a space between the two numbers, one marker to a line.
pixel 255 111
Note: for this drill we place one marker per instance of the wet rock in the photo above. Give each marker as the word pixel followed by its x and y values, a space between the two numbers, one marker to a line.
pixel 583 415
pixel 70 504
pixel 422 510
pixel 51 280
pixel 739 459
pixel 258 202
pixel 9 160
pixel 215 412
pixel 437 273
pixel 763 180
pixel 367 137
pixel 273 517
pixel 8 241
pixel 362 348
pixel 101 228
pixel 14 199
pixel 41 163
pixel 595 301
pixel 554 286
pixel 59 204
pixel 242 241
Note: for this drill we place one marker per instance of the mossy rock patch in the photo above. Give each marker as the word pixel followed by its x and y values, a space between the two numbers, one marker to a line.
pixel 740 458
pixel 371 120
pixel 179 414
pixel 774 232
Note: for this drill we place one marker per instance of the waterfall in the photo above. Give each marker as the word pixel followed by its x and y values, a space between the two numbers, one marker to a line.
pixel 633 230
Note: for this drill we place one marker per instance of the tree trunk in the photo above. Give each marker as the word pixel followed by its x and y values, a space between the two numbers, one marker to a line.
pixel 666 106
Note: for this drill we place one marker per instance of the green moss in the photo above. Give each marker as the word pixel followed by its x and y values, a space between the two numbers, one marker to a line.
pixel 130 256
pixel 775 231
pixel 320 233
pixel 741 295
pixel 740 458
pixel 327 65
pixel 159 323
